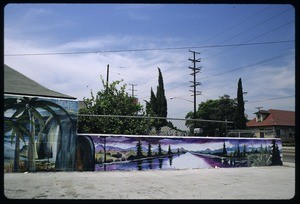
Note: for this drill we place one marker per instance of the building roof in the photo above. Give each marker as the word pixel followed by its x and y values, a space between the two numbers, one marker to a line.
pixel 17 83
pixel 275 118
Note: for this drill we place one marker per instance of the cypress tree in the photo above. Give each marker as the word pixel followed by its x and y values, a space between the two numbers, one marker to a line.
pixel 161 97
pixel 157 106
pixel 240 119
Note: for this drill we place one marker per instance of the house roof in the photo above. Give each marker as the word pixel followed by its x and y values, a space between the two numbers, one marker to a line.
pixel 17 83
pixel 275 118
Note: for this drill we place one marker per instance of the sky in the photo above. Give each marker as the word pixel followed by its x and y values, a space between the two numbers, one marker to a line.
pixel 67 47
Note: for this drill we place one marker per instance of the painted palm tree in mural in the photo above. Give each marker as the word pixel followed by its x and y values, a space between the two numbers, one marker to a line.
pixel 31 106
pixel 18 130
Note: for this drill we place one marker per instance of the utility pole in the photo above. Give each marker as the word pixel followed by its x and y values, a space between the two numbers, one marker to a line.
pixel 132 89
pixel 195 70
pixel 107 75
pixel 259 108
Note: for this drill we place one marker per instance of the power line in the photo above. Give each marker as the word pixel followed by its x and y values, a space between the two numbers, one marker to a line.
pixel 271 99
pixel 271 18
pixel 233 47
pixel 147 49
pixel 248 66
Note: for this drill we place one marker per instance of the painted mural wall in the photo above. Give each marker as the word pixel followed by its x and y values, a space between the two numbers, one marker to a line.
pixel 163 152
pixel 40 134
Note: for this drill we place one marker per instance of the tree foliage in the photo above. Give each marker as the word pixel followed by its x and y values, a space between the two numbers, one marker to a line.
pixel 157 106
pixel 218 109
pixel 111 101
pixel 240 120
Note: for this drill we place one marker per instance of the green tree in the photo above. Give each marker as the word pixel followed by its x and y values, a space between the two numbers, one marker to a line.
pixel 240 120
pixel 161 97
pixel 111 101
pixel 213 109
pixel 157 106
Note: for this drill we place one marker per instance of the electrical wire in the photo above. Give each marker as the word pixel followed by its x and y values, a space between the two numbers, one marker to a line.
pixel 146 49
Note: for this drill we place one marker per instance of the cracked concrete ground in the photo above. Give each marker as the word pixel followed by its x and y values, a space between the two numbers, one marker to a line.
pixel 271 182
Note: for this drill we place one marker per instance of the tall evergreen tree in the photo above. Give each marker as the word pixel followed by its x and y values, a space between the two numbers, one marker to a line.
pixel 157 106
pixel 162 109
pixel 240 119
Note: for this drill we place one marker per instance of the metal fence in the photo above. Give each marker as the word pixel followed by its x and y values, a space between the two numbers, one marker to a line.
pixel 146 125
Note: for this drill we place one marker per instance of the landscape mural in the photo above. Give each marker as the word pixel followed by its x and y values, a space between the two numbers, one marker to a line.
pixel 154 152
pixel 39 133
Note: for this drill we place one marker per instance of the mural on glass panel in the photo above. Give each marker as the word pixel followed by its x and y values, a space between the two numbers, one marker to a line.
pixel 36 131
pixel 142 153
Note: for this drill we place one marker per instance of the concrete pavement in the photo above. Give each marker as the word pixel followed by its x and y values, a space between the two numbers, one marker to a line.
pixel 269 182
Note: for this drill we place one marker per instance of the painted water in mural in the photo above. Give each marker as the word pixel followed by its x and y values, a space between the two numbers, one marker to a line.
pixel 36 131
pixel 144 153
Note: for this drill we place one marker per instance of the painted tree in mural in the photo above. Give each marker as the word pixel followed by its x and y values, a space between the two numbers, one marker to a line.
pixel 159 150
pixel 19 130
pixel 276 158
pixel 169 150
pixel 111 101
pixel 30 107
pixel 139 153
pixel 149 152
pixel 224 152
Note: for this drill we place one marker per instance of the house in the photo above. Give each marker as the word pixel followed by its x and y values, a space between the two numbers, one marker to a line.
pixel 40 126
pixel 274 123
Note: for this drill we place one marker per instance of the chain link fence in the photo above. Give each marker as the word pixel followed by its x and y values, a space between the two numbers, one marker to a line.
pixel 144 125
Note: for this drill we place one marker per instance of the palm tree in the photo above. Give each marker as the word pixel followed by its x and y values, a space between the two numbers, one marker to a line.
pixel 16 125
pixel 30 106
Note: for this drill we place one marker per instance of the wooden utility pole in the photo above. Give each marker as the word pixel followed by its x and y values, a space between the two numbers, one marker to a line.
pixel 195 70
pixel 132 89
pixel 107 76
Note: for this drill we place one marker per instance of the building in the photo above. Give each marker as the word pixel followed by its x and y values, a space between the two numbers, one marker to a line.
pixel 40 126
pixel 274 123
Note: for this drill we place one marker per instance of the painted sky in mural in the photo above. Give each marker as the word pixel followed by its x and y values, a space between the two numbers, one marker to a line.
pixel 189 143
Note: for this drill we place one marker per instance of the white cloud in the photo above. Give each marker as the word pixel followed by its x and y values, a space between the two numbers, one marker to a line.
pixel 77 74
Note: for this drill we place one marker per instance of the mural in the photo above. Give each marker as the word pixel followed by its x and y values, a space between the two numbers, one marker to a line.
pixel 155 152
pixel 39 133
